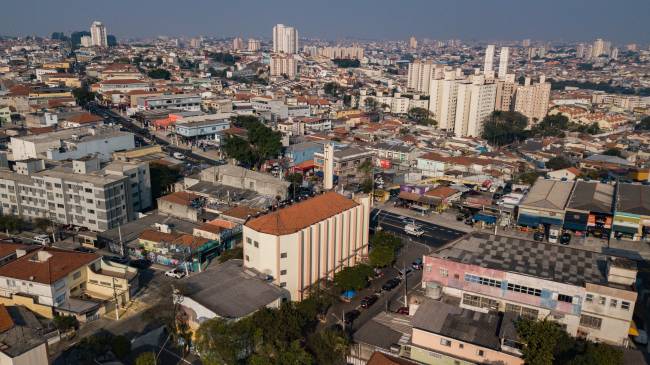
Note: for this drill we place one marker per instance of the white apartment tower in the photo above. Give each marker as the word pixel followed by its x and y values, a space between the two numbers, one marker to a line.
pixel 420 74
pixel 285 39
pixel 98 34
pixel 488 67
pixel 475 102
pixel 237 44
pixel 253 45
pixel 503 62
pixel 284 64
pixel 413 43
pixel 442 99
pixel 532 100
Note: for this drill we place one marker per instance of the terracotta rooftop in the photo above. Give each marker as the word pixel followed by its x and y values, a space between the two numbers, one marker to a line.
pixel 179 197
pixel 241 212
pixel 46 271
pixel 301 215
pixel 6 322
pixel 157 236
pixel 83 118
pixel 193 242
pixel 7 249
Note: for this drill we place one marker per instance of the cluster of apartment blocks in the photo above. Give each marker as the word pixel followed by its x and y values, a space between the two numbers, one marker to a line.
pixel 80 193
pixel 461 104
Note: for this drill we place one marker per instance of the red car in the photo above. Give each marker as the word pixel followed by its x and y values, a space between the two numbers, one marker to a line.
pixel 403 310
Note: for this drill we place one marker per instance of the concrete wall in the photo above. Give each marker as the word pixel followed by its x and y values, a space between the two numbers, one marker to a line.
pixel 35 356
pixel 460 349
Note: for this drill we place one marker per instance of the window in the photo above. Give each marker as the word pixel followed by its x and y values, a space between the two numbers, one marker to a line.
pixel 283 272
pixel 565 298
pixel 480 302
pixel 591 322
pixel 247 258
pixel 524 289
pixel 461 345
pixel 283 284
pixel 483 281
pixel 625 305
pixel 456 276
pixel 283 255
pixel 613 303
pixel 249 240
pixel 76 275
pixel 443 272
pixel 589 298
pixel 256 244
pixel 11 282
pixel 602 300
pixel 480 352
pixel 445 342
pixel 522 311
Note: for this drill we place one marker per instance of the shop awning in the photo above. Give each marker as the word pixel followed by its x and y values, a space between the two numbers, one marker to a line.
pixel 625 229
pixel 551 221
pixel 489 219
pixel 575 226
pixel 528 220
pixel 633 330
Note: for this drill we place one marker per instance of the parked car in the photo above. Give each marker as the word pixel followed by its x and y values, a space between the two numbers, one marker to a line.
pixel 403 310
pixel 140 263
pixel 84 249
pixel 538 236
pixel 351 316
pixel 175 273
pixel 417 264
pixel 42 239
pixel 178 156
pixel 117 259
pixel 391 284
pixel 368 301
pixel 565 238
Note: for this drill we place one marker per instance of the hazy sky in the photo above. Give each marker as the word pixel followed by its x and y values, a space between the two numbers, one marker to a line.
pixel 620 21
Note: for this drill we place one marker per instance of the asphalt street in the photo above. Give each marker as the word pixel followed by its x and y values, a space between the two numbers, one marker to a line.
pixel 144 134
pixel 434 235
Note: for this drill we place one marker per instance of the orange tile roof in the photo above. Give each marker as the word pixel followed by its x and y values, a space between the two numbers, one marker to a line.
pixel 84 118
pixel 59 265
pixel 193 242
pixel 301 215
pixel 379 358
pixel 241 212
pixel 7 249
pixel 157 236
pixel 212 228
pixel 6 322
pixel 441 192
pixel 179 197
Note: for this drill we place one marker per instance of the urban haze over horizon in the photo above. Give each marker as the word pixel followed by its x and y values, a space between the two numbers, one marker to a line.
pixel 552 20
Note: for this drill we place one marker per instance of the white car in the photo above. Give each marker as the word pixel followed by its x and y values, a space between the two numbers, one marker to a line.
pixel 175 273
pixel 179 156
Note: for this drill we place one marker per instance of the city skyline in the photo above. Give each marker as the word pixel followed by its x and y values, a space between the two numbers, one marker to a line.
pixel 575 20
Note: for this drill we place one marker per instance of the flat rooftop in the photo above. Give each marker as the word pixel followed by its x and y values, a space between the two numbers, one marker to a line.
pixel 592 197
pixel 558 263
pixel 231 290
pixel 548 194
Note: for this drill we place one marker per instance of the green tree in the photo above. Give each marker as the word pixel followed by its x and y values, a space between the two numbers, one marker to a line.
pixel 353 278
pixel 83 96
pixel 328 347
pixel 262 143
pixel 551 126
pixel 159 73
pixel 65 323
pixel 121 346
pixel 557 163
pixel 331 88
pixel 540 339
pixel 381 256
pixel 644 124
pixel 502 128
pixel 42 224
pixel 146 358
pixel 371 104
pixel 162 178
pixel 422 116
pixel 529 177
pixel 346 63
pixel 613 152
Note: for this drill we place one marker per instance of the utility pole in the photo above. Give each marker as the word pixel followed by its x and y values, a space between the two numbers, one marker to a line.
pixel 119 232
pixel 405 287
pixel 117 311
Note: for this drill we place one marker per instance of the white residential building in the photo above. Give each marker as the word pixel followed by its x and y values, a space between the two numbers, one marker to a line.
pixel 532 100
pixel 98 34
pixel 420 74
pixel 282 64
pixel 253 45
pixel 442 99
pixel 475 102
pixel 503 62
pixel 285 39
pixel 309 241
pixel 488 67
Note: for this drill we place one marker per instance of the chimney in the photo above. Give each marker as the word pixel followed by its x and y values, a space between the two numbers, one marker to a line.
pixel 542 79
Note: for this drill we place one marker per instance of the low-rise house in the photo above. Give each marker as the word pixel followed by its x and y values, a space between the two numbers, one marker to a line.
pixel 568 174
pixel 632 211
pixel 545 203
pixel 229 291
pixel 590 208
pixel 182 205
pixel 22 337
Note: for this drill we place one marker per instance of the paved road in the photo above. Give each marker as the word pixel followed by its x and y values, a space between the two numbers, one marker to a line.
pixel 434 235
pixel 144 134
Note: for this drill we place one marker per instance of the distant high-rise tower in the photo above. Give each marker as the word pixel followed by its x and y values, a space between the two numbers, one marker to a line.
pixel 237 44
pixel 98 34
pixel 598 48
pixel 614 54
pixel 503 62
pixel 284 65
pixel 525 43
pixel 488 67
pixel 253 45
pixel 413 43
pixel 285 39
pixel 420 74
pixel 86 41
